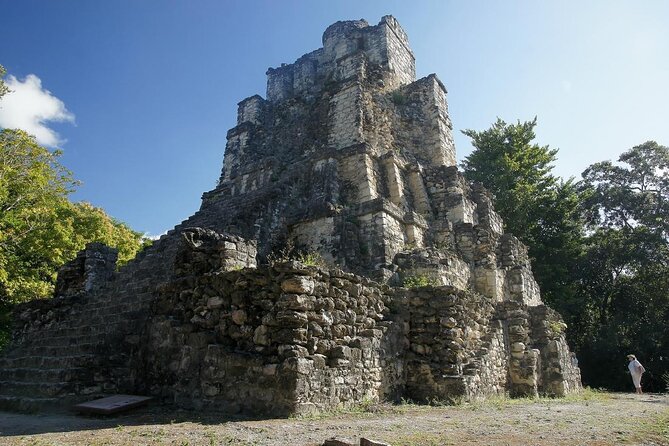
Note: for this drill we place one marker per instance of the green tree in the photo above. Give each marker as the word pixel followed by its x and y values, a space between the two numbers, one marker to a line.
pixel 631 196
pixel 40 229
pixel 33 186
pixel 538 207
pixel 513 169
pixel 624 276
pixel 3 87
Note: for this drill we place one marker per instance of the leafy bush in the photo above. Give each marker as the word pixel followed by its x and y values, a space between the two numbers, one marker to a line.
pixel 398 98
pixel 311 258
pixel 418 281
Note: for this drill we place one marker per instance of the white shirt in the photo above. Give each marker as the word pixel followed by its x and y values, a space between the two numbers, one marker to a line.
pixel 636 368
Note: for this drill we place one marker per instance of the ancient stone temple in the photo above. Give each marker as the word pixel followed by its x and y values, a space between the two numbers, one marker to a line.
pixel 348 159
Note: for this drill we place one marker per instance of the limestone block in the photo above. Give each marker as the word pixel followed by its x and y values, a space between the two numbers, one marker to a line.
pixel 214 302
pixel 346 117
pixel 302 366
pixel 290 318
pixel 298 285
pixel 366 442
pixel 297 302
pixel 395 183
pixel 339 442
pixel 250 110
pixel 239 317
pixel 418 192
pixel 261 335
pixel 517 347
pixel 448 322
pixel 341 351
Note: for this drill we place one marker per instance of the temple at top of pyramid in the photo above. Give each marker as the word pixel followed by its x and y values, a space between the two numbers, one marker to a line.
pixel 419 294
pixel 351 157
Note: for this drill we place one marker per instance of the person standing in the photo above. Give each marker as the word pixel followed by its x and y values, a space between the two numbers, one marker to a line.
pixel 636 370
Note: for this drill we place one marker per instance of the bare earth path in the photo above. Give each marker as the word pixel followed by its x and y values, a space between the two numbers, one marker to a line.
pixel 592 419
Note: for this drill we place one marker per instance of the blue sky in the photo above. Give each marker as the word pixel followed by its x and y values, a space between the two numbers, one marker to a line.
pixel 148 89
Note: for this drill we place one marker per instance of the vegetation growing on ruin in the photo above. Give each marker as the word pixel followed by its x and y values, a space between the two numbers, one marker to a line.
pixel 398 98
pixel 311 258
pixel 288 251
pixel 419 280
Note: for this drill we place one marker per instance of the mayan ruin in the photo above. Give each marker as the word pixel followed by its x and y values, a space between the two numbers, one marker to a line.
pixel 341 258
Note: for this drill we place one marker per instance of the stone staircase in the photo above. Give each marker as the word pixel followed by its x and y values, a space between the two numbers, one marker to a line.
pixel 75 348
pixel 55 365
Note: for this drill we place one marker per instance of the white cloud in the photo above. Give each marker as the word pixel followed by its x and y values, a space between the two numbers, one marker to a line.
pixel 30 107
pixel 154 237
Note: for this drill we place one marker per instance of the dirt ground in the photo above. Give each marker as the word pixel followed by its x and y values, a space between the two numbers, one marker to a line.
pixel 593 418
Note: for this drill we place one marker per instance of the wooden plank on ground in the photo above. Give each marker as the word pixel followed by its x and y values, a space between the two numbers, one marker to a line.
pixel 112 404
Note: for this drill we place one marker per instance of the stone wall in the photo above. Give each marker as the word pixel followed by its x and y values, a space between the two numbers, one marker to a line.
pixel 82 342
pixel 273 340
pixel 91 269
pixel 446 330
pixel 215 331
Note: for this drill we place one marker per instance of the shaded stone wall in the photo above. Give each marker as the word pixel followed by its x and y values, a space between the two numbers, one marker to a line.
pixel 91 269
pixel 448 338
pixel 76 345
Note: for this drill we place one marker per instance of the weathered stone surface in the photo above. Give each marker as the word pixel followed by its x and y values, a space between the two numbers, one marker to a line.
pixel 338 442
pixel 298 285
pixel 366 442
pixel 350 161
pixel 92 268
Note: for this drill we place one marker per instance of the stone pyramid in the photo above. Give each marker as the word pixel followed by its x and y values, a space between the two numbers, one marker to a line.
pixel 417 292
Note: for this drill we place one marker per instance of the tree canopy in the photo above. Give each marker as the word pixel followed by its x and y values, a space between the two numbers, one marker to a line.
pixel 40 229
pixel 3 87
pixel 536 206
pixel 624 276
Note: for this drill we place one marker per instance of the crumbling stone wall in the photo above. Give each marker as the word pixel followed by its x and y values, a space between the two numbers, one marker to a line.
pixel 447 338
pixel 273 340
pixel 219 332
pixel 91 269
pixel 81 342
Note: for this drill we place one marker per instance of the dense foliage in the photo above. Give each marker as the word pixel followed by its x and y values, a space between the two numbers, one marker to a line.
pixel 40 229
pixel 600 247
pixel 625 275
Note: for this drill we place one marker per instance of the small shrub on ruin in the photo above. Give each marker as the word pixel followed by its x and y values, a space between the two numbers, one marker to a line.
pixel 283 254
pixel 418 281
pixel 398 98
pixel 557 328
pixel 312 258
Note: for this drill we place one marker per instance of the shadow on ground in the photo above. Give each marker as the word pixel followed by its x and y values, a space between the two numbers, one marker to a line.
pixel 15 424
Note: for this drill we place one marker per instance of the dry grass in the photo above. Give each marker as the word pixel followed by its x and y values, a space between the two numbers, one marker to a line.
pixel 591 418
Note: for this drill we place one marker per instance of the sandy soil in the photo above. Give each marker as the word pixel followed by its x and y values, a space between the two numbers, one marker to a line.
pixel 594 419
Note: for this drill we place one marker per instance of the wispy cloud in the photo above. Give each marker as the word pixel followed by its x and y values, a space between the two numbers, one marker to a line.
pixel 30 107
pixel 154 237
